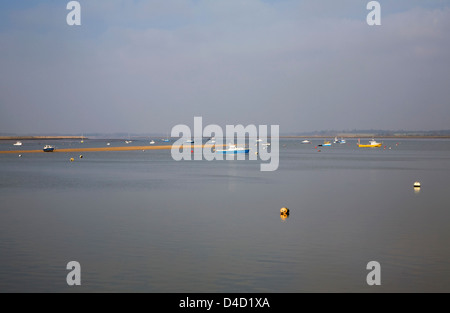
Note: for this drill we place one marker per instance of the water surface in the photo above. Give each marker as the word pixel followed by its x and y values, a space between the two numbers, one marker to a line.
pixel 139 221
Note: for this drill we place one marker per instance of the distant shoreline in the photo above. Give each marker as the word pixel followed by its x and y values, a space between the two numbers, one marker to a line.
pixel 286 136
pixel 374 136
pixel 40 137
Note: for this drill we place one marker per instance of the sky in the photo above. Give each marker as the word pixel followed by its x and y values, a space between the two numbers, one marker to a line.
pixel 145 66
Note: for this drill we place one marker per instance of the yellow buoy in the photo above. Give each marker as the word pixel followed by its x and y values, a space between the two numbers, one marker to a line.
pixel 284 211
pixel 71 160
pixel 81 156
pixel 416 187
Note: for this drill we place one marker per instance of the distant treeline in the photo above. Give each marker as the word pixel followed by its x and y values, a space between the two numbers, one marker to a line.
pixel 373 133
pixel 322 133
pixel 39 137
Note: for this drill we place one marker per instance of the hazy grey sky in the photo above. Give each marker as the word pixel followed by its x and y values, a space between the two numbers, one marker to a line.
pixel 145 66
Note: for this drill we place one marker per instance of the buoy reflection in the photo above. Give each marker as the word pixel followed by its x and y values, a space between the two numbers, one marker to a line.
pixel 284 216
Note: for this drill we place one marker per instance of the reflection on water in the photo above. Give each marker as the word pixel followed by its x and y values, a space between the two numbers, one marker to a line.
pixel 139 221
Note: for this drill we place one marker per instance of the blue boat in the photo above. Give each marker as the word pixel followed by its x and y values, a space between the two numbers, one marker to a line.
pixel 233 149
pixel 48 148
pixel 341 141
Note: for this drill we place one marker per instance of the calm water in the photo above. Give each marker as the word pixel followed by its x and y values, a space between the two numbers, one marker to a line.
pixel 138 221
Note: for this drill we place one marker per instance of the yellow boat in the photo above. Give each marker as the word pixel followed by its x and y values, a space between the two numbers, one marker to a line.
pixel 372 144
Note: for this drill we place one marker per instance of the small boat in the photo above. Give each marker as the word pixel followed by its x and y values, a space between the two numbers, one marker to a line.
pixel 49 148
pixel 18 143
pixel 372 144
pixel 342 140
pixel 190 141
pixel 326 144
pixel 108 144
pixel 258 140
pixel 152 142
pixel 233 149
pixel 165 140
pixel 266 144
pixel 128 141
pixel 306 141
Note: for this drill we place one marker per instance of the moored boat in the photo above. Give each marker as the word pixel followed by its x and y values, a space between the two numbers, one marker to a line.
pixel 233 149
pixel 342 140
pixel 18 143
pixel 306 141
pixel 49 148
pixel 372 144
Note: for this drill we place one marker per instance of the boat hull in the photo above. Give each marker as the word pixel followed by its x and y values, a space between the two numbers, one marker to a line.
pixel 49 149
pixel 233 151
pixel 370 146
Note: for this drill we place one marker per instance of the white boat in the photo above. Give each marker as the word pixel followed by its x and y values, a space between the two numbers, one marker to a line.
pixel 152 142
pixel 108 144
pixel 372 144
pixel 342 140
pixel 258 140
pixel 190 141
pixel 18 143
pixel 49 148
pixel 306 141
pixel 232 149
pixel 128 141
